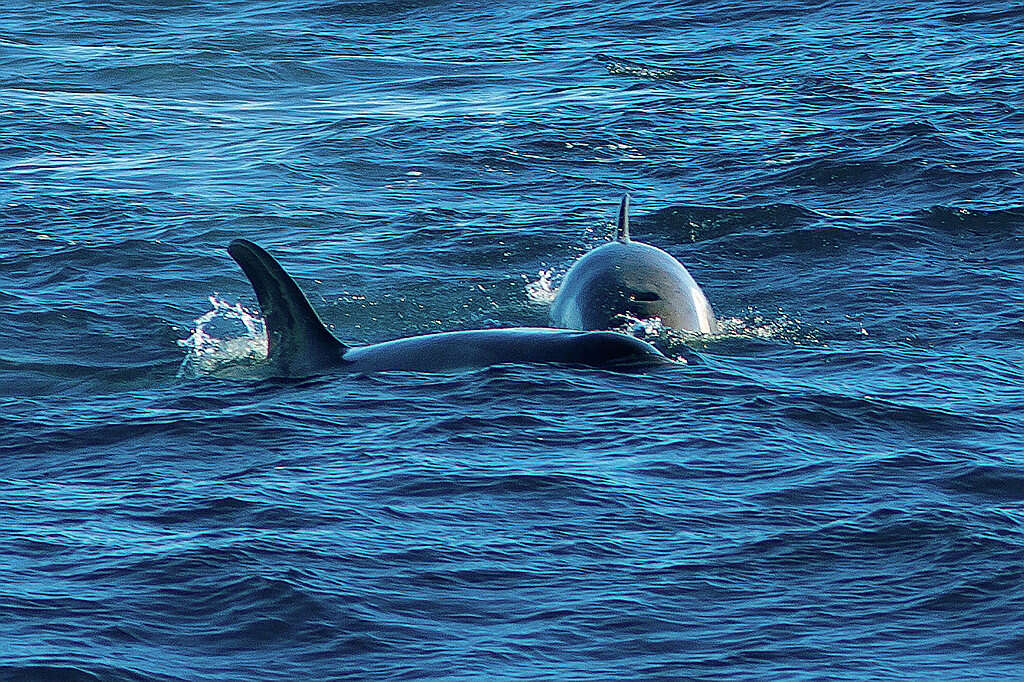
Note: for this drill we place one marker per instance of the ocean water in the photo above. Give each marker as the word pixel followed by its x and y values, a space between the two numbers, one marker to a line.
pixel 831 487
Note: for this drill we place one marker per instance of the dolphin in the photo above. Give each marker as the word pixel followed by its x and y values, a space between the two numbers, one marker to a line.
pixel 299 345
pixel 625 279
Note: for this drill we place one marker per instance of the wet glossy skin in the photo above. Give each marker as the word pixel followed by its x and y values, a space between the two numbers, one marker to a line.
pixel 630 279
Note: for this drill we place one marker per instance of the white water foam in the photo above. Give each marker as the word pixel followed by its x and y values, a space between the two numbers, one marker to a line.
pixel 228 340
pixel 541 291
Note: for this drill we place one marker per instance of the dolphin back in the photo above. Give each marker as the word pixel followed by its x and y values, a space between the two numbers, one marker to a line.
pixel 475 348
pixel 298 343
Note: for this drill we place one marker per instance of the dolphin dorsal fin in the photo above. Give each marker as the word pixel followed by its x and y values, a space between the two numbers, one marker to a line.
pixel 622 232
pixel 298 343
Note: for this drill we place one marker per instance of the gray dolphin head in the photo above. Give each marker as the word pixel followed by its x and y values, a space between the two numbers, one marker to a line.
pixel 624 279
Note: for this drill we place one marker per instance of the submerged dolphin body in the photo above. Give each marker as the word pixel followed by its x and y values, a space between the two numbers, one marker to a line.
pixel 630 279
pixel 298 343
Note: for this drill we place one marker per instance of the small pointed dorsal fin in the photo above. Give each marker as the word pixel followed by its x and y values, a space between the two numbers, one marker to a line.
pixel 298 343
pixel 622 232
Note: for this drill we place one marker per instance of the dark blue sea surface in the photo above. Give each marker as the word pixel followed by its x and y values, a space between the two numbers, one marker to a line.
pixel 833 486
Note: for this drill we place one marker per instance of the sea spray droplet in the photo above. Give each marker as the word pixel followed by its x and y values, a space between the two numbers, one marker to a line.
pixel 226 340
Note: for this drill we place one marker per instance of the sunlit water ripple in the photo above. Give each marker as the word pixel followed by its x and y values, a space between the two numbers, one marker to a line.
pixel 831 487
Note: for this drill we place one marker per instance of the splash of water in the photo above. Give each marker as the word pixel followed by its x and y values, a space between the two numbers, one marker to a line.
pixel 776 327
pixel 229 340
pixel 541 291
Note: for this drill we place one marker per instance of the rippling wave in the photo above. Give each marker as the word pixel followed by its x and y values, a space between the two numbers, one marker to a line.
pixel 830 487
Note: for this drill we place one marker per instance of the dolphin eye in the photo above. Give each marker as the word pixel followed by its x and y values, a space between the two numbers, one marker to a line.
pixel 647 296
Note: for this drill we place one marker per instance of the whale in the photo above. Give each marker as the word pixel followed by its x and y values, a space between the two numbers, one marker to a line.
pixel 300 345
pixel 625 280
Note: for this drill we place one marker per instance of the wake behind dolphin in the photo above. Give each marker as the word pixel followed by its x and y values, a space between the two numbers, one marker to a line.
pixel 625 279
pixel 298 343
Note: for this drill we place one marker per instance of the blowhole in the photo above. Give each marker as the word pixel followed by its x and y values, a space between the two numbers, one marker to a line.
pixel 645 296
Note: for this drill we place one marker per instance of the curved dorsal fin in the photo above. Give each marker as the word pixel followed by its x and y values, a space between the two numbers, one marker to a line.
pixel 298 343
pixel 622 233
